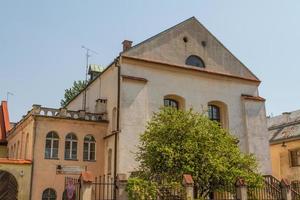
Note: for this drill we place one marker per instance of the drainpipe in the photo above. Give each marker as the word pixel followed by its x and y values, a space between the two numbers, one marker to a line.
pixel 32 160
pixel 117 63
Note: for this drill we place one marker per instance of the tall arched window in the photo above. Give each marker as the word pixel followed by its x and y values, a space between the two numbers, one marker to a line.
pixel 49 194
pixel 171 103
pixel 26 146
pixel 109 161
pixel 114 119
pixel 18 150
pixel 89 148
pixel 217 111
pixel 194 60
pixel 51 147
pixel 214 113
pixel 71 147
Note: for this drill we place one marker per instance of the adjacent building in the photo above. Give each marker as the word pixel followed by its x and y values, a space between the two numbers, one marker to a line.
pixel 284 131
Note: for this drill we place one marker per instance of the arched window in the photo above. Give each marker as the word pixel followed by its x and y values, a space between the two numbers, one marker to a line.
pixel 49 194
pixel 171 103
pixel 18 149
pixel 51 147
pixel 217 111
pixel 109 161
pixel 71 147
pixel 114 119
pixel 194 60
pixel 214 113
pixel 26 147
pixel 89 148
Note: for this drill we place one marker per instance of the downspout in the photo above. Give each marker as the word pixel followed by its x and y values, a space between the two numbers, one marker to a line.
pixel 117 63
pixel 32 160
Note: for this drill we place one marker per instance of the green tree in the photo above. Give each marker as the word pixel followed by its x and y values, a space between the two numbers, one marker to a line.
pixel 70 93
pixel 180 142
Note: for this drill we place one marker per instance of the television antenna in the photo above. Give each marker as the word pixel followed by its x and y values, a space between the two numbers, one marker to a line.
pixel 7 95
pixel 88 54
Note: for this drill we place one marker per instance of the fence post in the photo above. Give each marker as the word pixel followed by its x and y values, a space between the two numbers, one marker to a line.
pixel 86 181
pixel 241 190
pixel 286 189
pixel 121 186
pixel 188 184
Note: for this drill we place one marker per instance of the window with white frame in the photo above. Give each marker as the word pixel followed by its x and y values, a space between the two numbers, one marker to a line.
pixel 71 147
pixel 89 148
pixel 51 146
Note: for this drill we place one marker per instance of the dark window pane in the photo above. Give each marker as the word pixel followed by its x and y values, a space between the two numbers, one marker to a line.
pixel 214 113
pixel 194 61
pixel 92 155
pixel 171 103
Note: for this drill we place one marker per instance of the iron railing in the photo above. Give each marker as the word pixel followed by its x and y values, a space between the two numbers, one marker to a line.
pixel 103 188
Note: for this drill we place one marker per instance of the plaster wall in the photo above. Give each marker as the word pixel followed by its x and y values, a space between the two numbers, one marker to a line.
pixel 22 173
pixel 22 135
pixel 3 151
pixel 257 136
pixel 44 170
pixel 169 47
pixel 140 99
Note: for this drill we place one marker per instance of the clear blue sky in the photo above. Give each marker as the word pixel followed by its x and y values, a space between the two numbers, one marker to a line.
pixel 41 55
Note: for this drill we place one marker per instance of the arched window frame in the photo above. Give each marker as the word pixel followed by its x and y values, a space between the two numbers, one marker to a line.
pixel 178 101
pixel 51 145
pixel 71 142
pixel 223 113
pixel 114 119
pixel 195 61
pixel 26 146
pixel 49 194
pixel 89 148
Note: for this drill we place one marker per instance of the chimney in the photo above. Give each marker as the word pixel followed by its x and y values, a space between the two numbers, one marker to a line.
pixel 4 120
pixel 126 44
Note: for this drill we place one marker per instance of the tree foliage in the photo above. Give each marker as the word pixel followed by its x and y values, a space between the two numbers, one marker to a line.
pixel 180 142
pixel 70 93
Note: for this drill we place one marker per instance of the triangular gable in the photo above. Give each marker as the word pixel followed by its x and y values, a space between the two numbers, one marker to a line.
pixel 169 47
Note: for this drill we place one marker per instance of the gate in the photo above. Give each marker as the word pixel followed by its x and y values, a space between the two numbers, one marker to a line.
pixel 72 189
pixel 103 188
pixel 8 186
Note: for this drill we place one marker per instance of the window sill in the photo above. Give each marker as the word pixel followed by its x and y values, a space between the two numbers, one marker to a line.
pixel 52 158
pixel 69 159
pixel 89 160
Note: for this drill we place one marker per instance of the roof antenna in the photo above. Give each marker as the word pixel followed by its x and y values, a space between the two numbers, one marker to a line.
pixel 7 95
pixel 88 55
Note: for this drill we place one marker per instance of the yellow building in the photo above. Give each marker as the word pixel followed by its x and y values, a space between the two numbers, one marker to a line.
pixel 284 131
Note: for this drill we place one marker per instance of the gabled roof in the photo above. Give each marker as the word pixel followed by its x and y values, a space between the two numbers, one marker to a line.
pixel 285 127
pixel 163 47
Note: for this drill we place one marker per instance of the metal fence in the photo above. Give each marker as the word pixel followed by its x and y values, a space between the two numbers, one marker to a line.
pixel 103 188
pixel 295 188
pixel 171 193
pixel 72 188
pixel 225 191
pixel 270 190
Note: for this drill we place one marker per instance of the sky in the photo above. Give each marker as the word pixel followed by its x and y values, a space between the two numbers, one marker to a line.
pixel 41 54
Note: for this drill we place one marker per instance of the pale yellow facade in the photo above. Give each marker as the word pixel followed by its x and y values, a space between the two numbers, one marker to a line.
pixel 281 160
pixel 22 174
